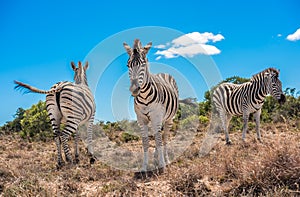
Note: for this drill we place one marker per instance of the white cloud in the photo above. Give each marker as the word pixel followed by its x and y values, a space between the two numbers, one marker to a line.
pixel 189 45
pixel 279 35
pixel 295 36
pixel 158 58
pixel 160 46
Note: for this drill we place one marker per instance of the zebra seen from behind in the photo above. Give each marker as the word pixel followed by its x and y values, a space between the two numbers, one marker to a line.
pixel 246 98
pixel 72 104
pixel 155 101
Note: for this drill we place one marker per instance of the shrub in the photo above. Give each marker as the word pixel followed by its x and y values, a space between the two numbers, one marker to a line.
pixel 127 137
pixel 203 120
pixel 35 123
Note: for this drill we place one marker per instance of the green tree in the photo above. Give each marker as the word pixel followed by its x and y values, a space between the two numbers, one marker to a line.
pixel 235 80
pixel 15 125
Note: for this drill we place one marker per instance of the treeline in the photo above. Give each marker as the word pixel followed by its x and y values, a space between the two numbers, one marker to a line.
pixel 34 123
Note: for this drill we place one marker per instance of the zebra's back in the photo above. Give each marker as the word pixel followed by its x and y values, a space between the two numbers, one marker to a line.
pixel 168 80
pixel 168 93
pixel 231 97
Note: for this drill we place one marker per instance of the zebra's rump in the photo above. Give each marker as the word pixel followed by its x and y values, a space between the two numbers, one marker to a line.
pixel 72 100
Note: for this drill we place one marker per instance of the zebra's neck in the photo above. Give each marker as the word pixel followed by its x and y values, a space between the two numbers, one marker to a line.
pixel 147 88
pixel 82 81
pixel 146 79
pixel 259 89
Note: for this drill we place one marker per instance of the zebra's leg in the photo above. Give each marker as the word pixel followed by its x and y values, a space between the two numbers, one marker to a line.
pixel 156 125
pixel 257 121
pixel 145 140
pixel 167 127
pixel 224 122
pixel 90 140
pixel 76 139
pixel 57 140
pixel 70 129
pixel 245 125
pixel 55 119
pixel 228 117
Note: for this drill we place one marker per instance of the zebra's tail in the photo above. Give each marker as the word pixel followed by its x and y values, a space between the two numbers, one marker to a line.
pixel 21 86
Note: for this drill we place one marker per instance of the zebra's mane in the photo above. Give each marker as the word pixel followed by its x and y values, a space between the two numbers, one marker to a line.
pixel 259 75
pixel 137 44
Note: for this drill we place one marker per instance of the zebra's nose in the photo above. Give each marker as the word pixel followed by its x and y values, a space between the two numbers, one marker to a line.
pixel 134 88
pixel 135 91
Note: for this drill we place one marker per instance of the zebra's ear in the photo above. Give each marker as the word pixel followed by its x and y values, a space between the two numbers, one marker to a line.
pixel 73 65
pixel 147 47
pixel 127 48
pixel 86 66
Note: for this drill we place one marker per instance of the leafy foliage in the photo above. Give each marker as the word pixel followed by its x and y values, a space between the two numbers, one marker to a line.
pixel 32 124
pixel 128 136
pixel 15 125
pixel 35 123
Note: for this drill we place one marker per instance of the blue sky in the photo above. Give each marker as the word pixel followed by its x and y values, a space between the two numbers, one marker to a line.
pixel 39 39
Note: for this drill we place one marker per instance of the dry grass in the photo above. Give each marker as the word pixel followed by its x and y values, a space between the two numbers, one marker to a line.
pixel 250 168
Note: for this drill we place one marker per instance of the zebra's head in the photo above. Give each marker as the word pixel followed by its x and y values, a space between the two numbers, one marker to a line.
pixel 274 84
pixel 80 73
pixel 137 65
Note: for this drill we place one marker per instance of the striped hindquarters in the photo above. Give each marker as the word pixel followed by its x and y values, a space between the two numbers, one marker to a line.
pixel 74 103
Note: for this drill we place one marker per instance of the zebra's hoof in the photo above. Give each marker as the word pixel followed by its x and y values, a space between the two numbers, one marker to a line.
pixel 228 142
pixel 161 170
pixel 141 175
pixel 76 161
pixel 69 160
pixel 92 160
pixel 59 165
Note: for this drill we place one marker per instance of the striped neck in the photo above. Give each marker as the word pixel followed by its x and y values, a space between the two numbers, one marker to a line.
pixel 146 78
pixel 261 83
pixel 82 81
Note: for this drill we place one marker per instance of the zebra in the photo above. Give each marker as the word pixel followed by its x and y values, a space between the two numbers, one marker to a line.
pixel 72 104
pixel 155 101
pixel 246 98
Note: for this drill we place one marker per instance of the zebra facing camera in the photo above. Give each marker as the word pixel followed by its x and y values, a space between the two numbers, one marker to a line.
pixel 109 81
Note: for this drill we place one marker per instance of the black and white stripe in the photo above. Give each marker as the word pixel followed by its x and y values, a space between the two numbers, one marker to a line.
pixel 155 101
pixel 72 104
pixel 243 99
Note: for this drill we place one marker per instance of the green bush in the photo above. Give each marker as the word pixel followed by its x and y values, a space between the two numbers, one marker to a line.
pixel 36 123
pixel 127 137
pixel 203 120
pixel 189 122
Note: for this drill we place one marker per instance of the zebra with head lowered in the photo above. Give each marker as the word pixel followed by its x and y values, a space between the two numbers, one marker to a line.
pixel 72 104
pixel 246 98
pixel 155 101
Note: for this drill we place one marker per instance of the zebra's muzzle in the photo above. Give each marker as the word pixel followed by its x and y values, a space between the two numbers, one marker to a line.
pixel 135 92
pixel 134 89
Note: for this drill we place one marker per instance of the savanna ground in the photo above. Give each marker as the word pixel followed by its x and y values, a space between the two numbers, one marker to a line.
pixel 251 168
